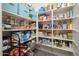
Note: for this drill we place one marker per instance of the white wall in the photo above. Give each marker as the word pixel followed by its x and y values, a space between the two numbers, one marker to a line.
pixel 38 5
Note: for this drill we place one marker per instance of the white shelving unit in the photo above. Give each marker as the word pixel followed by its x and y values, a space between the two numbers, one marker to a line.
pixel 60 11
pixel 63 9
pixel 19 29
pixel 46 30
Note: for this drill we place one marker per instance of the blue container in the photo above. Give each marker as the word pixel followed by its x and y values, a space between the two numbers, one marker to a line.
pixel 26 36
pixel 10 7
pixel 42 9
pixel 23 10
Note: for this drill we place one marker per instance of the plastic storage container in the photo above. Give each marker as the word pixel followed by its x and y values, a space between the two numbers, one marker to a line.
pixel 31 8
pixel 23 10
pixel 10 7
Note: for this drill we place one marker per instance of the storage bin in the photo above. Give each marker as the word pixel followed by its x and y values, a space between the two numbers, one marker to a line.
pixel 31 8
pixel 23 10
pixel 10 7
pixel 42 9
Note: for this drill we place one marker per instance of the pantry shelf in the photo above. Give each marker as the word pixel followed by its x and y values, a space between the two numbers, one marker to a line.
pixel 62 30
pixel 65 19
pixel 50 37
pixel 19 29
pixel 58 38
pixel 63 9
pixel 45 29
pixel 65 48
pixel 45 21
pixel 17 16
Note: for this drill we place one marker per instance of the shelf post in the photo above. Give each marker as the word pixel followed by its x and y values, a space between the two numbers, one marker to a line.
pixel 52 26
pixel 36 27
pixel 1 30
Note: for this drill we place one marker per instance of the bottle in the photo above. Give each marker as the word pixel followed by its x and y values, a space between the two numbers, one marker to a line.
pixel 54 6
pixel 66 43
pixel 68 4
pixel 70 13
pixel 60 43
pixel 54 42
pixel 59 5
pixel 60 35
pixel 70 44
pixel 57 43
pixel 65 36
pixel 69 35
pixel 63 44
pixel 64 25
pixel 70 25
pixel 65 15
